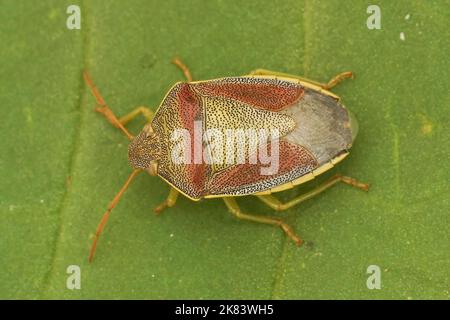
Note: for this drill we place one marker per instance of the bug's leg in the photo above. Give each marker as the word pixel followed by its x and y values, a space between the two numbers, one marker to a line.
pixel 235 210
pixel 176 61
pixel 333 82
pixel 146 112
pixel 103 108
pixel 337 79
pixel 277 205
pixel 169 202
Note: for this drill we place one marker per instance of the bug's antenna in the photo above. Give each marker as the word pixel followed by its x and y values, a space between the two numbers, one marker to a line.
pixel 102 106
pixel 105 217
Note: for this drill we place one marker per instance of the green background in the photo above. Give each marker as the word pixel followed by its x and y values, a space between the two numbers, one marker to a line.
pixel 61 163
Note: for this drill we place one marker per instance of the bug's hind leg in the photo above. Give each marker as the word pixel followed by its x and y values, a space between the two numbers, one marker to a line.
pixel 235 210
pixel 169 202
pixel 277 205
pixel 330 84
pixel 176 61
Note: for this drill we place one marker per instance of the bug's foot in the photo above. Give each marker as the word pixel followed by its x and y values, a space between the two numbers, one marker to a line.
pixel 355 183
pixel 160 208
pixel 169 202
pixel 290 232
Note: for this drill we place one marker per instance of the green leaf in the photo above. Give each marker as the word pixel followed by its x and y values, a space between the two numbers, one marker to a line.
pixel 61 163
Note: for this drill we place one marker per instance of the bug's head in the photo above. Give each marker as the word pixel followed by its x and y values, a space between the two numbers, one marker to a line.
pixel 143 150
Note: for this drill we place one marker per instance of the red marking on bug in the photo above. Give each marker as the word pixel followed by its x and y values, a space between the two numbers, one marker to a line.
pixel 190 110
pixel 268 95
pixel 237 176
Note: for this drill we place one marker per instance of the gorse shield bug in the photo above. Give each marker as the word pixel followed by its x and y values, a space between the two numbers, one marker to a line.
pixel 256 134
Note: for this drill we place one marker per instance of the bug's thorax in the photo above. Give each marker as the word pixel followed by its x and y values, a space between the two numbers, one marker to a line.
pixel 144 150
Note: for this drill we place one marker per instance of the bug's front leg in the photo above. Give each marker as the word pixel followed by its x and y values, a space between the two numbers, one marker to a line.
pixel 146 112
pixel 169 202
pixel 277 205
pixel 235 210
pixel 187 73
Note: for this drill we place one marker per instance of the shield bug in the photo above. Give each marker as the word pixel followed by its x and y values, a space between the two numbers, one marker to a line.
pixel 256 134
